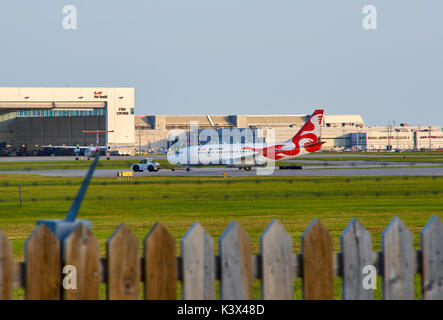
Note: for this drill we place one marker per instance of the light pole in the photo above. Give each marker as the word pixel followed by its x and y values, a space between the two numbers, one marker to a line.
pixel 139 143
pixel 430 138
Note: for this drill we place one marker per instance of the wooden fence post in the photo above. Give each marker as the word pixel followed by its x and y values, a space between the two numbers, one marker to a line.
pixel 318 281
pixel 81 251
pixel 43 265
pixel 123 265
pixel 6 265
pixel 198 264
pixel 160 264
pixel 276 263
pixel 41 274
pixel 432 259
pixel 398 262
pixel 356 253
pixel 236 264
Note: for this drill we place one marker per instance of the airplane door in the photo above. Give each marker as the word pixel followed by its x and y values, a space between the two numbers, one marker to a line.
pixel 193 155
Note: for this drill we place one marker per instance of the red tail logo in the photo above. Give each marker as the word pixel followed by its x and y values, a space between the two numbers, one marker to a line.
pixel 308 136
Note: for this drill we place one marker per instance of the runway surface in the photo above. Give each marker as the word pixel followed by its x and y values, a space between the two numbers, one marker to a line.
pixel 316 164
pixel 233 172
pixel 311 167
pixel 71 158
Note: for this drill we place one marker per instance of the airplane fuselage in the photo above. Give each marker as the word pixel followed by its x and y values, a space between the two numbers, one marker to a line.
pixel 236 154
pixel 89 151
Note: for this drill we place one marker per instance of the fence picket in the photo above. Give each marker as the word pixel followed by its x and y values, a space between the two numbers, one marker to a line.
pixel 318 281
pixel 198 264
pixel 160 267
pixel 432 259
pixel 356 251
pixel 123 265
pixel 43 265
pixel 236 264
pixel 80 249
pixel 277 266
pixel 6 265
pixel 398 262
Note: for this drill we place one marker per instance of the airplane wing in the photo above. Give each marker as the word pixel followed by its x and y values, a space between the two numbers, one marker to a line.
pixel 116 147
pixel 86 147
pixel 67 147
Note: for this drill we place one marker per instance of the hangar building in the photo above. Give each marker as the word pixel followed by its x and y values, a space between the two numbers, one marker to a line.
pixel 339 131
pixel 153 131
pixel 34 117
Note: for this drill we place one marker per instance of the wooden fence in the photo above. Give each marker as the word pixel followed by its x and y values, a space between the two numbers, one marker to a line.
pixel 123 269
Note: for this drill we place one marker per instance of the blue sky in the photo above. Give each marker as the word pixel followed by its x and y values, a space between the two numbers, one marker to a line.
pixel 236 56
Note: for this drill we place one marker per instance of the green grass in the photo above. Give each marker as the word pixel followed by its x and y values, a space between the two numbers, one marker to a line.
pixel 252 201
pixel 72 165
pixel 374 168
pixel 415 153
pixel 84 164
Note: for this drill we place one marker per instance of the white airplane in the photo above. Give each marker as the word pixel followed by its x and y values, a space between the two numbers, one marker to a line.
pixel 90 151
pixel 244 156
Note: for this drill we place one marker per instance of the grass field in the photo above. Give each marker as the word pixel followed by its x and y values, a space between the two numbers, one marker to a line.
pixel 385 153
pixel 72 165
pixel 214 202
pixel 84 164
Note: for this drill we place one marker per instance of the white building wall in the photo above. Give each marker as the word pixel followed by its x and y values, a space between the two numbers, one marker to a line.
pixel 120 105
pixel 430 140
pixel 402 138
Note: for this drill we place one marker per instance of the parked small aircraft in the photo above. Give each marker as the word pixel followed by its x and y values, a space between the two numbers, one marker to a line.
pixel 90 151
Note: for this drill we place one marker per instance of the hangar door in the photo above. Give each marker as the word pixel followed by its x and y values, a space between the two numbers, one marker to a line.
pixel 53 123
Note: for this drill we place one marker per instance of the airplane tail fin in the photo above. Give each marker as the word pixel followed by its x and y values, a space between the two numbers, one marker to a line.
pixel 309 135
pixel 97 142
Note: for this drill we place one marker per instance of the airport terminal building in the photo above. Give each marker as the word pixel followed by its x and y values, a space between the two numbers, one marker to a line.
pixel 31 118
